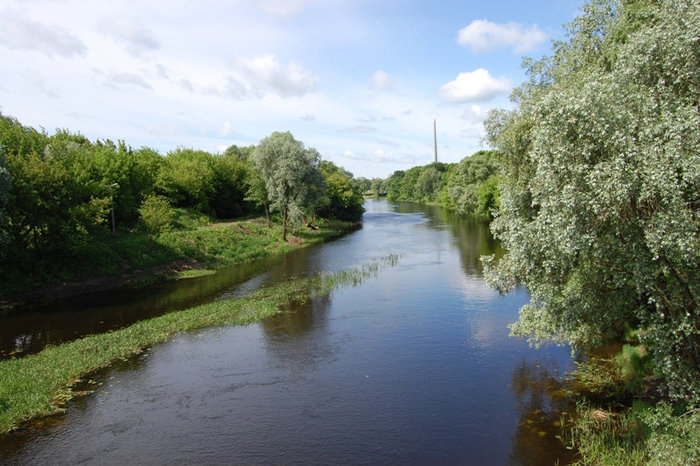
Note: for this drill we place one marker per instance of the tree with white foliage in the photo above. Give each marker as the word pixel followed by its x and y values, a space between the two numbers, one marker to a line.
pixel 600 201
pixel 291 175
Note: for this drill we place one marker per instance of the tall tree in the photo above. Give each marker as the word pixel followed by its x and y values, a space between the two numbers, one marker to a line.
pixel 600 204
pixel 5 185
pixel 291 174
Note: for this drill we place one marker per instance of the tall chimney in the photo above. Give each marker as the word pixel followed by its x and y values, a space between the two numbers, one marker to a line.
pixel 435 137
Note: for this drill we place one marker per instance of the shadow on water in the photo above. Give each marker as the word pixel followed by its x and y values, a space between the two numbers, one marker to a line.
pixel 28 330
pixel 541 405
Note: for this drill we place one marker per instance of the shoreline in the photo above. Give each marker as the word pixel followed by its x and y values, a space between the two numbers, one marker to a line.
pixel 40 385
pixel 172 270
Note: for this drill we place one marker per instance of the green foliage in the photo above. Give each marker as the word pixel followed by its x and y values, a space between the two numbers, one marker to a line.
pixel 419 184
pixel 187 178
pixel 473 184
pixel 156 214
pixel 343 198
pixel 643 434
pixel 291 175
pixel 5 186
pixel 228 197
pixel 600 199
pixel 487 197
pixel 470 187
pixel 240 153
pixel 56 194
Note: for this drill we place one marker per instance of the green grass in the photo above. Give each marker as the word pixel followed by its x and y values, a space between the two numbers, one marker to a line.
pixel 39 385
pixel 639 435
pixel 195 273
pixel 614 426
pixel 198 243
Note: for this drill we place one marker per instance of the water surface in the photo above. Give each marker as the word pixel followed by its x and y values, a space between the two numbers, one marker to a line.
pixel 414 366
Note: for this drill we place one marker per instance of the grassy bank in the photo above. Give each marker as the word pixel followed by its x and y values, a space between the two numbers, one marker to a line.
pixel 133 257
pixel 40 384
pixel 622 419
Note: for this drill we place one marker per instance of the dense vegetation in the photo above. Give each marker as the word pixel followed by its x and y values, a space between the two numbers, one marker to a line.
pixel 469 187
pixel 61 195
pixel 600 210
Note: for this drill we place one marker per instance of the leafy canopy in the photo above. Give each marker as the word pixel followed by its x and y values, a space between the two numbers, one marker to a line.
pixel 600 202
pixel 291 174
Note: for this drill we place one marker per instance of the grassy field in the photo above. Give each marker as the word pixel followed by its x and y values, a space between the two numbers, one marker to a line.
pixel 196 243
pixel 39 385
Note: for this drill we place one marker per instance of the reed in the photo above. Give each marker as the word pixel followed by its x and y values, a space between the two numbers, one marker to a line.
pixel 40 385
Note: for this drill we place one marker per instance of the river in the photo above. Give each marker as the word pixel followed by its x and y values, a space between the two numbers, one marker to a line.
pixel 414 366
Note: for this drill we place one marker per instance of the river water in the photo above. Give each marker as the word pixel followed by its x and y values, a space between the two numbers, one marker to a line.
pixel 414 366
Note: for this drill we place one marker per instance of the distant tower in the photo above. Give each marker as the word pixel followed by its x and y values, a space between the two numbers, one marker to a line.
pixel 435 138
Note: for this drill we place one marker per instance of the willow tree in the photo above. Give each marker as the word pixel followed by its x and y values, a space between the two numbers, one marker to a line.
pixel 291 175
pixel 600 204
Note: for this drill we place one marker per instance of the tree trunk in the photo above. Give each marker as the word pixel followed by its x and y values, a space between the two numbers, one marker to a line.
pixel 284 223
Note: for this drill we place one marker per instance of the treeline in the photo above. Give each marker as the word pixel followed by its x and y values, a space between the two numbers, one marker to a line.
pixel 469 187
pixel 60 191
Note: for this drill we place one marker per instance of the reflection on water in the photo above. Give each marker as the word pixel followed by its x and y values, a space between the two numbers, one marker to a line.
pixel 541 403
pixel 26 331
pixel 413 366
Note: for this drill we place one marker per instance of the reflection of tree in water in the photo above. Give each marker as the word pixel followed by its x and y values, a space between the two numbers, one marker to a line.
pixel 541 405
pixel 299 316
pixel 297 338
pixel 474 240
pixel 472 234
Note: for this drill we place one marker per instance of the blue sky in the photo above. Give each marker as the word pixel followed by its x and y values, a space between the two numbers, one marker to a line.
pixel 359 80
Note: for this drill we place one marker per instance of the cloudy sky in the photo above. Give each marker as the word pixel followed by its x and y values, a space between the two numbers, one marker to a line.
pixel 359 80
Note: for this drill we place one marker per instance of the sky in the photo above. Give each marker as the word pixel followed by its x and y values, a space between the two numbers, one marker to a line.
pixel 361 81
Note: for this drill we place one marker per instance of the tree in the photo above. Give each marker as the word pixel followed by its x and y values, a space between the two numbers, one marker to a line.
pixel 188 178
pixel 473 186
pixel 229 186
pixel 291 174
pixel 428 184
pixel 343 198
pixel 5 186
pixel 600 202
pixel 256 192
pixel 156 214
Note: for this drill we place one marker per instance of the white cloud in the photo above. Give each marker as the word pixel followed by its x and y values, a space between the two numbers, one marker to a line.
pixel 378 156
pixel 265 75
pixel 382 157
pixel 484 36
pixel 161 131
pixel 37 82
pixel 186 84
pixel 381 81
pixel 283 8
pixel 227 130
pixel 308 118
pixel 130 34
pixel 475 114
pixel 360 129
pixel 132 79
pixel 475 86
pixel 162 71
pixel 21 33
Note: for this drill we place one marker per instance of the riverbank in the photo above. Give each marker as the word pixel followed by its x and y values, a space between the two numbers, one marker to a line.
pixel 136 259
pixel 39 385
pixel 622 418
